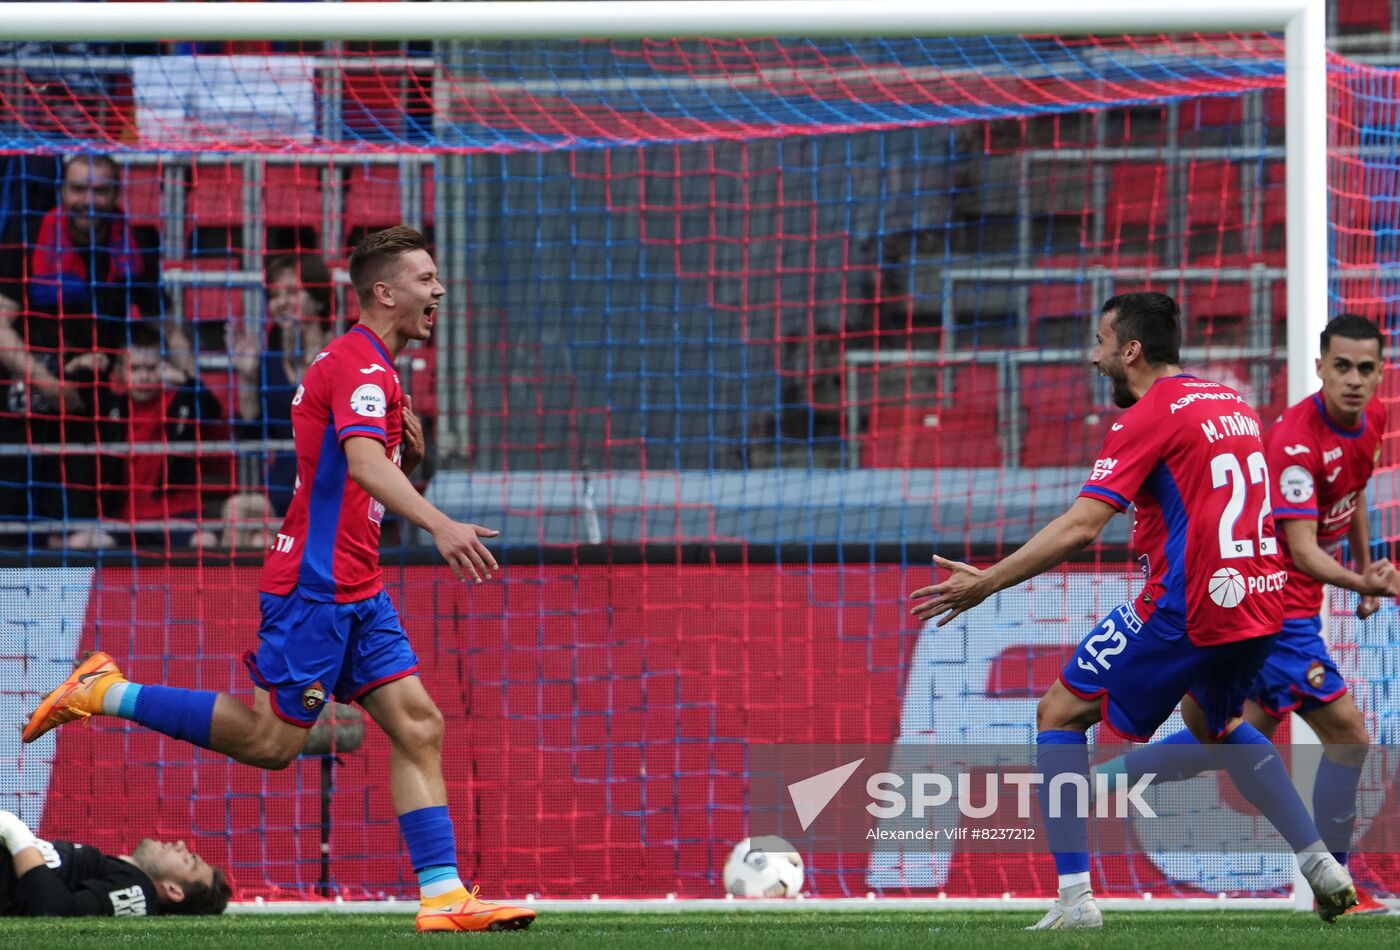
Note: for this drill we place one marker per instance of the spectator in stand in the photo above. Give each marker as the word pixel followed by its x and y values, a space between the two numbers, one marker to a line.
pixel 148 402
pixel 73 287
pixel 299 325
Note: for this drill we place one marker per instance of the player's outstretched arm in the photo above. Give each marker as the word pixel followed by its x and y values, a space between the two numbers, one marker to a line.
pixel 459 544
pixel 1379 579
pixel 966 586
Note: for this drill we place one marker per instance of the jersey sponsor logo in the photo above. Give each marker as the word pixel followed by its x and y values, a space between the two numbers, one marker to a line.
pixel 313 697
pixel 1295 484
pixel 128 902
pixel 1299 449
pixel 1102 469
pixel 1189 398
pixel 1117 426
pixel 1333 476
pixel 1227 587
pixel 376 511
pixel 373 368
pixel 369 401
pixel 282 544
pixel 1331 455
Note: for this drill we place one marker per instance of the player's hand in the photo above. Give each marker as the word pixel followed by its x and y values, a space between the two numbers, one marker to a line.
pixel 245 352
pixel 460 546
pixel 1366 606
pixel 1381 579
pixel 413 446
pixel 14 834
pixel 963 589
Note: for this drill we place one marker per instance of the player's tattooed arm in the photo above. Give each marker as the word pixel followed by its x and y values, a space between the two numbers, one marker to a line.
pixel 967 586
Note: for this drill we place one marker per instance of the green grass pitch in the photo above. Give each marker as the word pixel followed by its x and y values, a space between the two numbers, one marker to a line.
pixel 939 930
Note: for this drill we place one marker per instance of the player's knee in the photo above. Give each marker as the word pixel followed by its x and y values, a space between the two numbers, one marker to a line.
pixel 276 750
pixel 422 727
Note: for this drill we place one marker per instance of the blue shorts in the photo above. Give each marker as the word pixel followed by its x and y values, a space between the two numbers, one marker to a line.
pixel 1141 671
pixel 309 648
pixel 1299 673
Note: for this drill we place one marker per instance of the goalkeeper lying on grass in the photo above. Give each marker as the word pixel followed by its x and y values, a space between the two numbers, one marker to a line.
pixel 64 879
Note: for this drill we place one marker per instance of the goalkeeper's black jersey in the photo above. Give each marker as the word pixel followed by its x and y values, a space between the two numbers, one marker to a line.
pixel 76 881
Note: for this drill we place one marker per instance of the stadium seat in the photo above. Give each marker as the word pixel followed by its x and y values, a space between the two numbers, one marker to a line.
pixel 214 302
pixel 1063 422
pixel 1213 201
pixel 215 198
pixel 372 197
pixel 292 196
pixel 1273 207
pixel 141 195
pixel 1216 313
pixel 961 432
pixel 1212 112
pixel 1362 16
pixel 1137 196
pixel 1060 312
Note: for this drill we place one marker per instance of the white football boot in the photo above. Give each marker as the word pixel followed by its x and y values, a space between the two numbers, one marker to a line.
pixel 1083 915
pixel 1330 882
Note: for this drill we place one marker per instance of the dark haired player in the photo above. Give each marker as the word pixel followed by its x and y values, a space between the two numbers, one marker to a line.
pixel 1321 453
pixel 62 879
pixel 1188 456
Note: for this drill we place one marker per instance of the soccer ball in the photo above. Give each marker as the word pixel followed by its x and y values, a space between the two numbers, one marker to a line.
pixel 763 867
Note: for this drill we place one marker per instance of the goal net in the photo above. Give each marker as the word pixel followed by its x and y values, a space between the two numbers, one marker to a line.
pixel 738 333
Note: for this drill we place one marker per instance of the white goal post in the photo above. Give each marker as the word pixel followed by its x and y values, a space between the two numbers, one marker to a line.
pixel 1301 21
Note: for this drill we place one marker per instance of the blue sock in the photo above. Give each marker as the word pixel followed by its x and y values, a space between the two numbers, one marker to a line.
pixel 432 847
pixel 1177 757
pixel 1334 805
pixel 184 714
pixel 1256 768
pixel 1065 752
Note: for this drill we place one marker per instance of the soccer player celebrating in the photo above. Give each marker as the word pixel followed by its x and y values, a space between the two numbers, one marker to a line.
pixel 1321 453
pixel 328 627
pixel 63 879
pixel 1188 455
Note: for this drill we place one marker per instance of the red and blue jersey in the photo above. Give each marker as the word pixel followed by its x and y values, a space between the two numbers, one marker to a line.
pixel 1189 457
pixel 328 545
pixel 1319 468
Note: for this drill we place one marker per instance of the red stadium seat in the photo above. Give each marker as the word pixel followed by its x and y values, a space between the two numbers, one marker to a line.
pixel 372 197
pixel 141 194
pixel 1138 196
pixel 215 198
pixel 1064 425
pixel 292 196
pixel 1362 16
pixel 214 302
pixel 1213 196
pixel 1067 305
pixel 961 434
pixel 1212 111
pixel 1216 313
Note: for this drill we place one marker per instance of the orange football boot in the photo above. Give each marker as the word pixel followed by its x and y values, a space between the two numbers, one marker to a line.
pixel 469 913
pixel 1368 905
pixel 77 697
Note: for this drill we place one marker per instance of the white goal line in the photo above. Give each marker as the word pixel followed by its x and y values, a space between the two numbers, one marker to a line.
pixel 824 904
